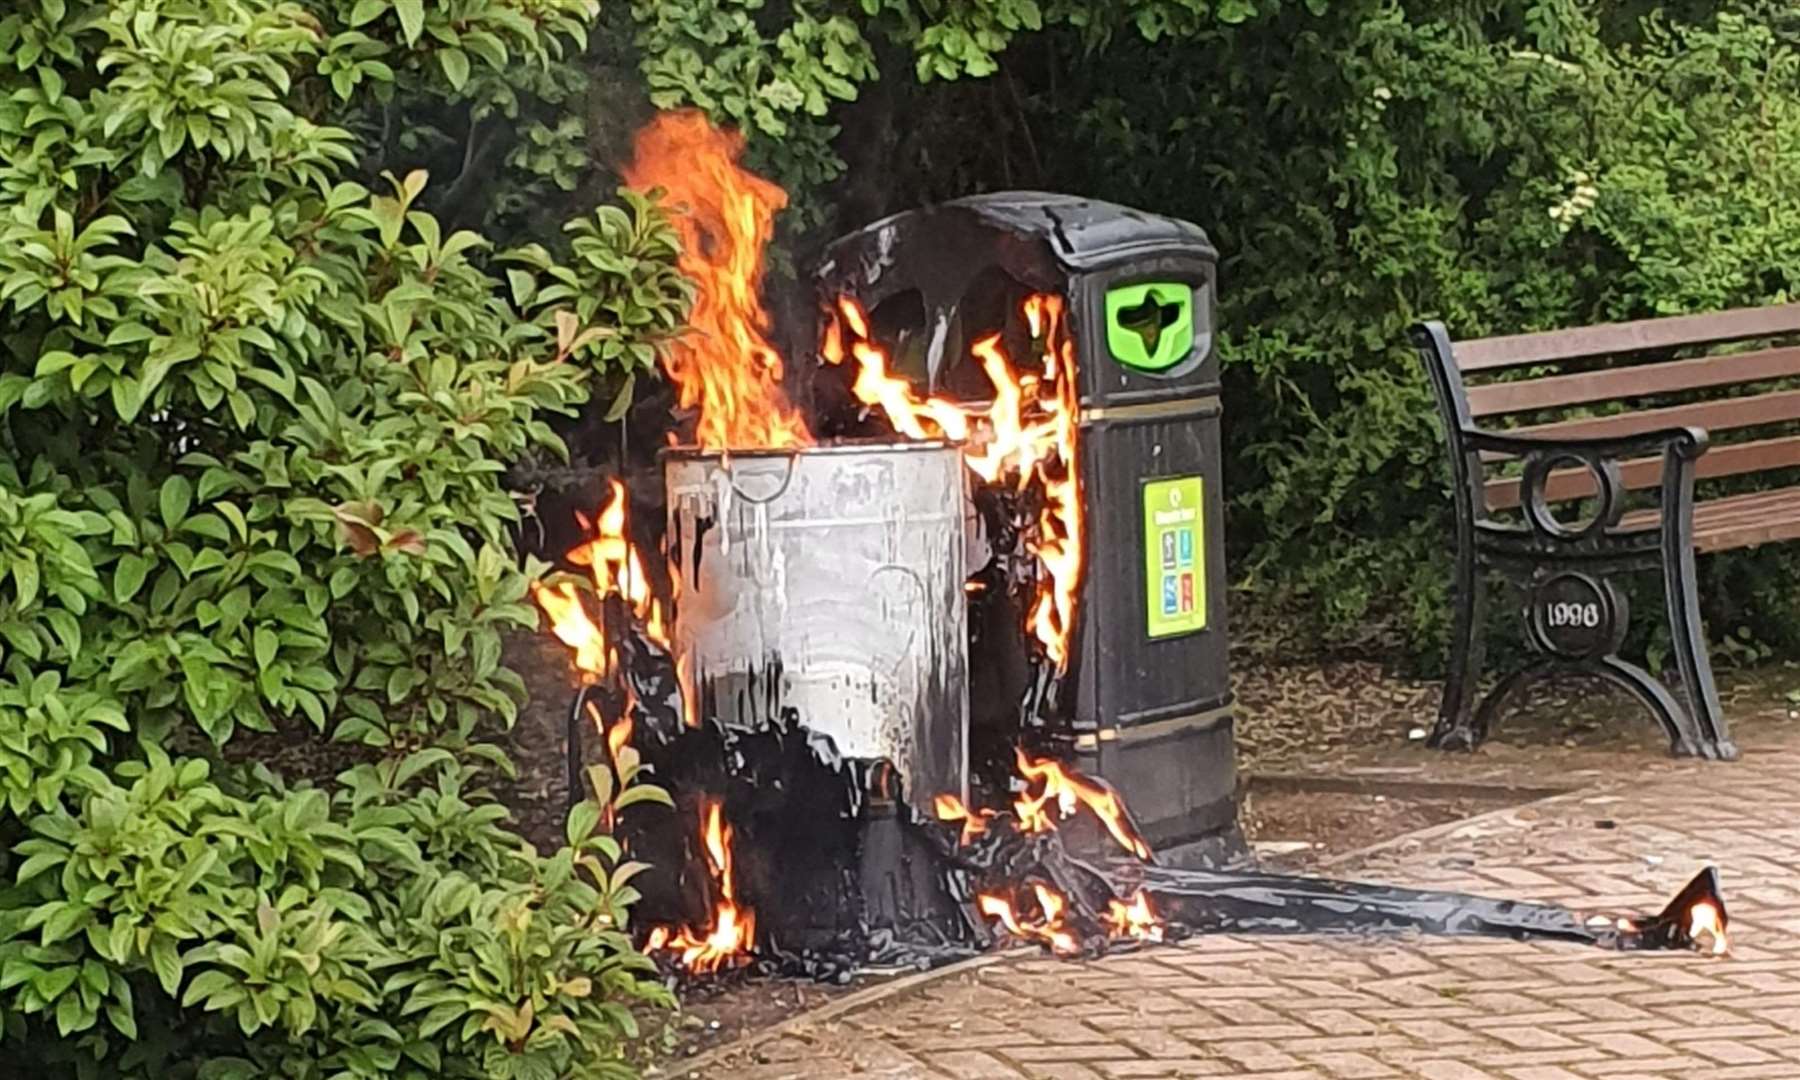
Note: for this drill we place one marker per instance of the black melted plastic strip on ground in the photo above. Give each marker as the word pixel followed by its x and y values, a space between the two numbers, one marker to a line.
pixel 1249 902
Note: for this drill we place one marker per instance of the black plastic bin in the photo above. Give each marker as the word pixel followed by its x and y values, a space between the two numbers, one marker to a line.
pixel 1152 710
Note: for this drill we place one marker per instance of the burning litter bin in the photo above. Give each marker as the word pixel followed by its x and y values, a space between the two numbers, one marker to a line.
pixel 1148 702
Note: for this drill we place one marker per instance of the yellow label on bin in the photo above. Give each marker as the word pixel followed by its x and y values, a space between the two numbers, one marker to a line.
pixel 1174 556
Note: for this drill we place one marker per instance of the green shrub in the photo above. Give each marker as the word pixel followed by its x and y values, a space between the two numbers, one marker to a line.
pixel 253 417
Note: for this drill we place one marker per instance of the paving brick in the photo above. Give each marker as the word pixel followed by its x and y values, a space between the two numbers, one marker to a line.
pixel 1530 1038
pixel 1625 1044
pixel 1257 1056
pixel 1730 1052
pixel 1066 1070
pixel 1446 1069
pixel 1154 1042
pixel 1349 1066
pixel 972 1063
pixel 1542 1072
pixel 1165 1067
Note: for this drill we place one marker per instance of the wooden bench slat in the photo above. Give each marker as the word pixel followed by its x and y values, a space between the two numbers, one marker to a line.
pixel 1737 324
pixel 1503 493
pixel 1762 517
pixel 1720 415
pixel 1713 513
pixel 1749 536
pixel 1644 380
pixel 1750 508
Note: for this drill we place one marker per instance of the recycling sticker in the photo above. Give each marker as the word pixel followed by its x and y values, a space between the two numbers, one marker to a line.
pixel 1174 534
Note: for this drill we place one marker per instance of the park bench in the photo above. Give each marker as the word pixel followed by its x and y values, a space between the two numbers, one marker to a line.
pixel 1574 455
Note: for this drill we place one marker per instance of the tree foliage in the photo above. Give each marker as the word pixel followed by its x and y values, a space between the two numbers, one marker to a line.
pixel 784 71
pixel 253 416
pixel 1504 167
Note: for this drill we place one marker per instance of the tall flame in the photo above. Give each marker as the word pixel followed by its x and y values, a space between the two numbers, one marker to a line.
pixel 1027 434
pixel 569 621
pixel 1011 441
pixel 616 566
pixel 725 367
pixel 733 931
pixel 916 418
pixel 1059 543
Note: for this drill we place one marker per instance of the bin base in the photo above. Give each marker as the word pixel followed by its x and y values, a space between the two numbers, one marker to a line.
pixel 1179 778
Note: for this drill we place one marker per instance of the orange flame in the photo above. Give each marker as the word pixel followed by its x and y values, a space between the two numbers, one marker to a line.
pixel 617 570
pixel 1068 790
pixel 1028 432
pixel 725 368
pixel 951 808
pixel 569 621
pixel 1704 921
pixel 1011 441
pixel 1048 928
pixel 1059 543
pixel 690 697
pixel 616 566
pixel 733 931
pixel 618 736
pixel 931 418
pixel 1135 920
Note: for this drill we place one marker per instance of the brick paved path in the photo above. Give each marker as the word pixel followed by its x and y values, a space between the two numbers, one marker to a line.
pixel 1268 1008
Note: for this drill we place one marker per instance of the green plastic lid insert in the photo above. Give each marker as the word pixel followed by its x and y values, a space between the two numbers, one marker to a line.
pixel 1150 326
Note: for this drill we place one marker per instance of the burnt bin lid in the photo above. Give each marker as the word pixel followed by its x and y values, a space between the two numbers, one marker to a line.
pixel 1087 233
pixel 1073 233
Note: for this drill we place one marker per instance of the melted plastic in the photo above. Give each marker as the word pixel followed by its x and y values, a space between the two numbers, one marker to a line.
pixel 1251 902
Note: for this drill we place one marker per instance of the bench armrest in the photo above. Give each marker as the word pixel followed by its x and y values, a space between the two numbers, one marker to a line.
pixel 1679 448
pixel 1685 442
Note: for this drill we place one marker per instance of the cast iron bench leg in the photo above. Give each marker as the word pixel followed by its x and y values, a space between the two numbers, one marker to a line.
pixel 1459 726
pixel 1703 732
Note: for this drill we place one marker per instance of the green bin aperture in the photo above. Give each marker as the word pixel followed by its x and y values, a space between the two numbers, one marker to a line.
pixel 1150 326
